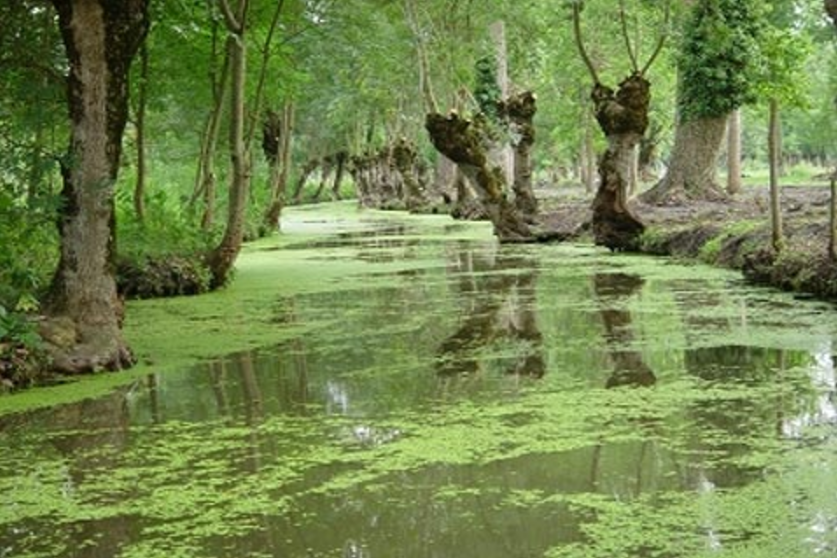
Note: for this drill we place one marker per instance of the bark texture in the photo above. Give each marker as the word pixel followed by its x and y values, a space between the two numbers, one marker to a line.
pixel 467 143
pixel 405 158
pixel 221 259
pixel 734 153
pixel 623 117
pixel 692 171
pixel 83 331
pixel 520 110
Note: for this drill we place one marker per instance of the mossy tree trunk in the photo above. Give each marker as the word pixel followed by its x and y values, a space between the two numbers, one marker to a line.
pixel 101 39
pixel 467 143
pixel 405 158
pixel 623 117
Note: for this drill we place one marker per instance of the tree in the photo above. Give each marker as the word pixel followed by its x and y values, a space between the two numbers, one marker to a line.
pixel 831 10
pixel 623 117
pixel 780 80
pixel 101 39
pixel 717 59
pixel 222 258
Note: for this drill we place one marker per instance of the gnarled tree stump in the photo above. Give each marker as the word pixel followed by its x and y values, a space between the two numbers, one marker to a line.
pixel 623 117
pixel 466 143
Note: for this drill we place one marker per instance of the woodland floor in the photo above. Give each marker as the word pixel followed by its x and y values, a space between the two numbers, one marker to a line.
pixel 732 233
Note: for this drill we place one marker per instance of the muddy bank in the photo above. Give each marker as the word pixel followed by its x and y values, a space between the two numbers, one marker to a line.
pixel 733 234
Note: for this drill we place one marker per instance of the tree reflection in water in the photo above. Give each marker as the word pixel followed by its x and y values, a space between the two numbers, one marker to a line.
pixel 629 367
pixel 499 291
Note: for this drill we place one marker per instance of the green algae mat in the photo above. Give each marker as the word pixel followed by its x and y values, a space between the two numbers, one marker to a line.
pixel 381 385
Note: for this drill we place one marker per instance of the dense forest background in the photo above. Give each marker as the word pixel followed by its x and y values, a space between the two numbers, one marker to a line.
pixel 291 95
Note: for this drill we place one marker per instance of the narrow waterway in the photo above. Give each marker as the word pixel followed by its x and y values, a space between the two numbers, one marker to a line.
pixel 440 396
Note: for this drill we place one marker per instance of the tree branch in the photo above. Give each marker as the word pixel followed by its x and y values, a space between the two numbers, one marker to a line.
pixel 229 18
pixel 424 63
pixel 663 38
pixel 579 42
pixel 631 54
pixel 255 114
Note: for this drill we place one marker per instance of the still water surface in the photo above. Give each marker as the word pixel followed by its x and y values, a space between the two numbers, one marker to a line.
pixel 459 399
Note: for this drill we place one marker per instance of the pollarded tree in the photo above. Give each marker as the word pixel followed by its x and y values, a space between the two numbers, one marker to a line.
pixel 101 39
pixel 623 117
pixel 717 59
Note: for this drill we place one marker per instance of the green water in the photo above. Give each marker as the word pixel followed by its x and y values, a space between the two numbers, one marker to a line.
pixel 430 394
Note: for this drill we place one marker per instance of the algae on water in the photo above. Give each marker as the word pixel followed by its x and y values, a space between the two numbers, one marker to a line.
pixel 391 387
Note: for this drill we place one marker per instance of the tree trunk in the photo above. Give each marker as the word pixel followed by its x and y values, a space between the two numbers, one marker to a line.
pixel 623 117
pixel 221 260
pixel 692 170
pixel 777 236
pixel 307 170
pixel 342 158
pixel 276 142
pixel 589 154
pixel 466 143
pixel 633 184
pixel 505 153
pixel 142 102
pixel 520 110
pixel 404 155
pixel 734 153
pixel 101 39
pixel 831 9
pixel 206 178
pixel 326 168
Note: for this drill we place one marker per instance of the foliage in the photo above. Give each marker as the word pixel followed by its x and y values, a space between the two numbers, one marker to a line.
pixel 719 57
pixel 21 354
pixel 162 255
pixel 29 239
pixel 486 88
pixel 15 328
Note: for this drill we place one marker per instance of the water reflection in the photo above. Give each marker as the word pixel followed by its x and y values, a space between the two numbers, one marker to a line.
pixel 497 293
pixel 629 367
pixel 337 442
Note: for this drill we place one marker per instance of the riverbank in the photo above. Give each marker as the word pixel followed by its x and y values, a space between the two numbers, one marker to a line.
pixel 733 234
